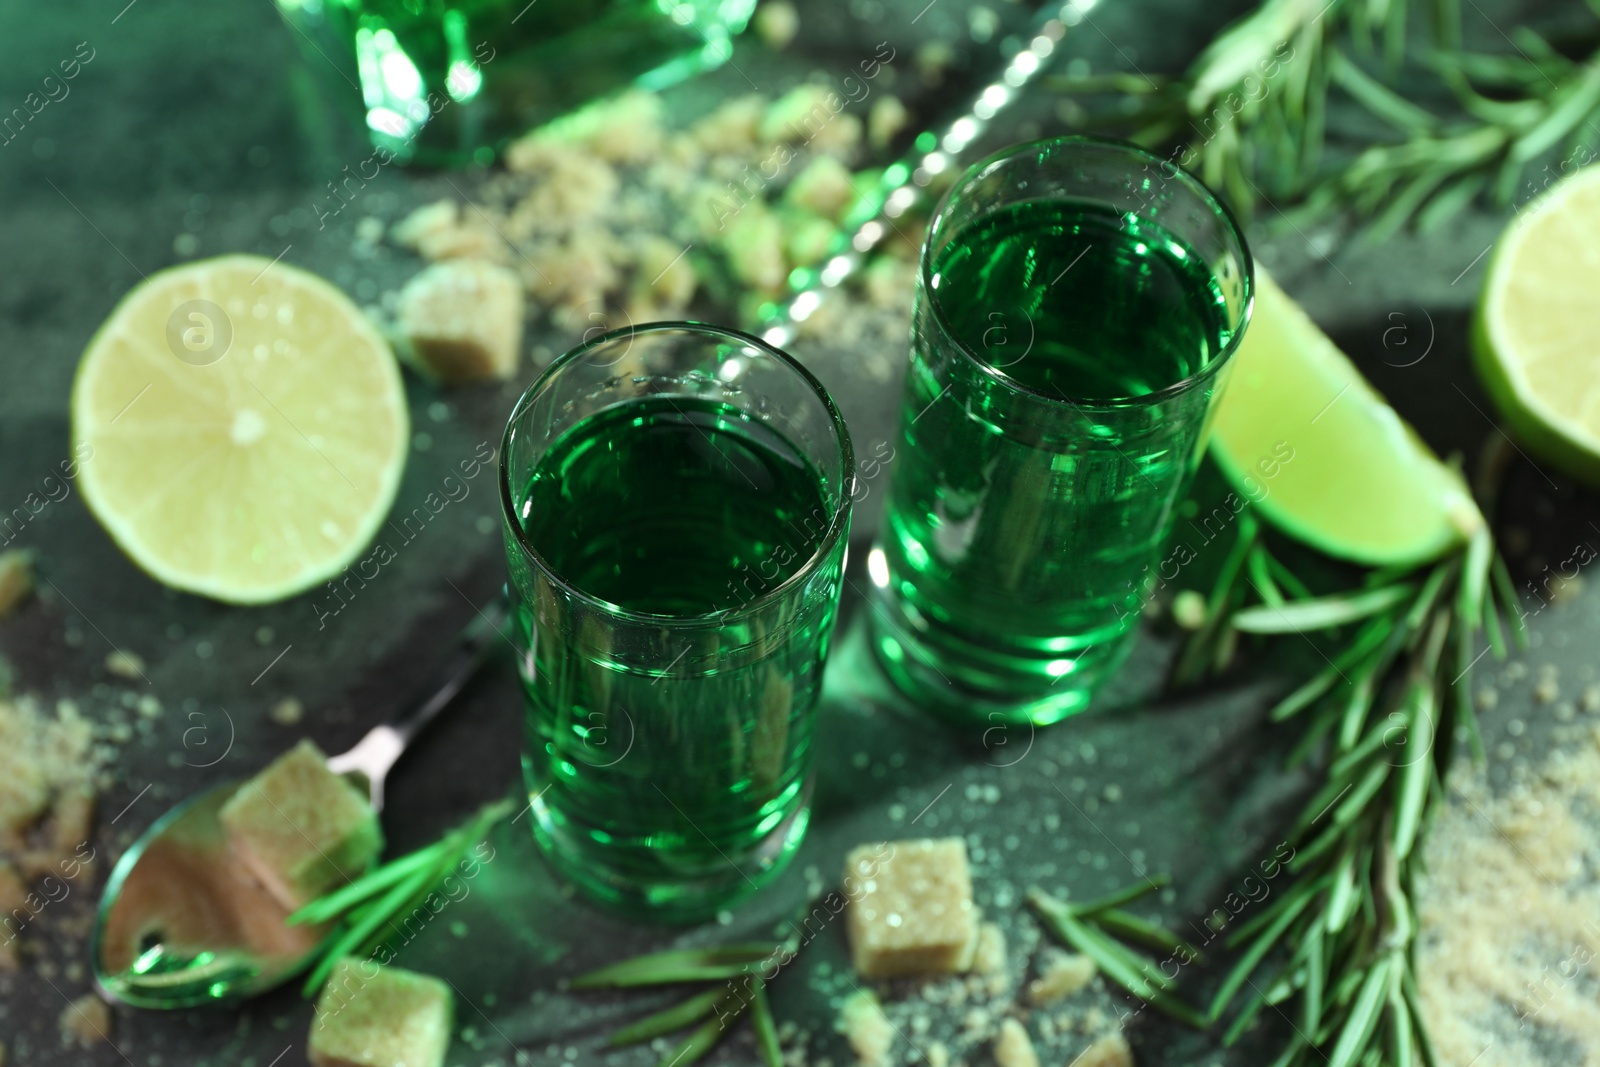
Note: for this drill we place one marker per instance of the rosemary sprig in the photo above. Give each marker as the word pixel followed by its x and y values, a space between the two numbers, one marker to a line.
pixel 739 988
pixel 1338 940
pixel 367 906
pixel 1093 927
pixel 1249 114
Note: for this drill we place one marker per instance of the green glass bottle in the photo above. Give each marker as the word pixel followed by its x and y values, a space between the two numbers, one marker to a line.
pixel 447 82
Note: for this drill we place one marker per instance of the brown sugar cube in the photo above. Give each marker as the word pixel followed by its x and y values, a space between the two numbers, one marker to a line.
pixel 301 829
pixel 463 320
pixel 372 1016
pixel 911 908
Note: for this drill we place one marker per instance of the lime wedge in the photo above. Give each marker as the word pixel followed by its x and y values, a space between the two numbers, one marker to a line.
pixel 1534 335
pixel 1302 434
pixel 241 428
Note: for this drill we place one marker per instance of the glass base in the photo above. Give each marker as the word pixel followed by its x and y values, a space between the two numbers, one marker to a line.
pixel 658 893
pixel 976 686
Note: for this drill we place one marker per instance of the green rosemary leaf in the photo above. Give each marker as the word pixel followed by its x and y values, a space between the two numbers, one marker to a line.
pixel 1394 573
pixel 1306 694
pixel 1320 613
pixel 1528 42
pixel 1491 624
pixel 1416 775
pixel 668 1020
pixel 1344 992
pixel 1449 203
pixel 1474 578
pixel 1377 98
pixel 1118 963
pixel 375 913
pixel 1363 1015
pixel 1492 71
pixel 1197 652
pixel 1312 739
pixel 1363 687
pixel 1316 976
pixel 676 965
pixel 703 1039
pixel 1462 687
pixel 1367 639
pixel 1261 576
pixel 766 1029
pixel 380 878
pixel 1346 764
pixel 1341 892
pixel 1123 961
pixel 1394 36
pixel 1355 803
pixel 454 847
pixel 1287 578
pixel 1246 1016
pixel 1506 180
pixel 1510 601
pixel 1312 854
pixel 1132 928
pixel 1256 953
pixel 1402 1045
pixel 1126 895
pixel 1293 1054
pixel 1420 608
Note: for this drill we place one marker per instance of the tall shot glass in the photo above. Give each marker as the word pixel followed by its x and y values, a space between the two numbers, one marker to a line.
pixel 676 515
pixel 1077 304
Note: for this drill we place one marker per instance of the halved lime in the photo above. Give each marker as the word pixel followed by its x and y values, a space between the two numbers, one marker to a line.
pixel 241 428
pixel 1535 333
pixel 1303 435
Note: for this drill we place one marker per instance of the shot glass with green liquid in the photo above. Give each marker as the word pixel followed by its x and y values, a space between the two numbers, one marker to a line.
pixel 677 510
pixel 1077 304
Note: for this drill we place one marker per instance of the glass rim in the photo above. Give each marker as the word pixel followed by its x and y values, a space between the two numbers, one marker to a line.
pixel 837 521
pixel 1166 392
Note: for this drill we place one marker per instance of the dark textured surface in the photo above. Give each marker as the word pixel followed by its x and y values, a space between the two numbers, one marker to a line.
pixel 200 119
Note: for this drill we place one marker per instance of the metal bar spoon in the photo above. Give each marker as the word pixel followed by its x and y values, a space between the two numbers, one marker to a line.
pixel 180 921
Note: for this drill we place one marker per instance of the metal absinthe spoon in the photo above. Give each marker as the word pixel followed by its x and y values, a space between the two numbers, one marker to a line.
pixel 182 922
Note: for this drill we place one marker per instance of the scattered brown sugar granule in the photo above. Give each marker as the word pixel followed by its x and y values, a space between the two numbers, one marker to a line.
pixel 1109 1051
pixel 1508 955
pixel 85 1022
pixel 47 768
pixel 990 955
pixel 16 578
pixel 288 711
pixel 1061 974
pixel 1013 1048
pixel 125 664
pixel 867 1029
pixel 776 23
pixel 592 208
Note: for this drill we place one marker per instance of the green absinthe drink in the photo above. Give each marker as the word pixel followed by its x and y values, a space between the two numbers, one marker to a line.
pixel 1077 303
pixel 677 555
